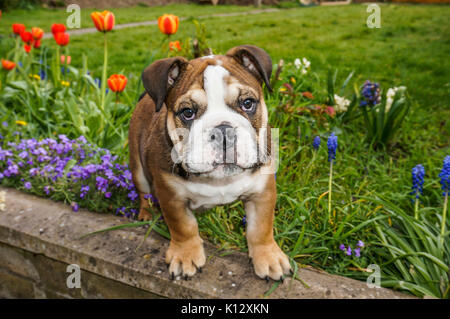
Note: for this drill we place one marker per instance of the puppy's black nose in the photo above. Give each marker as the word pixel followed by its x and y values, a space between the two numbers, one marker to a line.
pixel 227 137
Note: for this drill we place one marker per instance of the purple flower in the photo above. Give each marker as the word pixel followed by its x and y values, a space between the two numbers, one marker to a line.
pixel 101 184
pixel 357 252
pixel 84 189
pixel 27 185
pixel 342 247
pixel 132 195
pixel 47 189
pixel 75 206
pixel 23 154
pixel 108 194
pixel 360 243
pixel 349 251
pixel 370 94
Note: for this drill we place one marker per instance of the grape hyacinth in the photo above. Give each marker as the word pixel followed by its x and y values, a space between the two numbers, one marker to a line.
pixel 332 144
pixel 418 174
pixel 444 175
pixel 370 94
pixel 316 143
pixel 445 183
pixel 74 171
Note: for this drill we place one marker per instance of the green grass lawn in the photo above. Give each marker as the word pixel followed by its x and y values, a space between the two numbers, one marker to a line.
pixel 44 18
pixel 411 48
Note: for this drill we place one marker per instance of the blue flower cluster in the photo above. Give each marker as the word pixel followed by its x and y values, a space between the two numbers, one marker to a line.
pixel 418 174
pixel 316 142
pixel 445 175
pixel 370 94
pixel 46 165
pixel 332 144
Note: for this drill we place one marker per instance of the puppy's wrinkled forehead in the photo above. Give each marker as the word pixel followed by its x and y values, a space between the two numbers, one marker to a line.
pixel 212 80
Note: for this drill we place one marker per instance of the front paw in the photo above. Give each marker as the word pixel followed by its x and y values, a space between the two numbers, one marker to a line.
pixel 185 257
pixel 269 261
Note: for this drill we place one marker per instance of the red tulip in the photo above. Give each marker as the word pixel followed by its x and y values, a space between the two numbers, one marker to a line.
pixel 8 65
pixel 37 33
pixel 37 44
pixel 103 21
pixel 61 38
pixel 174 45
pixel 27 48
pixel 168 23
pixel 58 27
pixel 117 82
pixel 18 28
pixel 27 37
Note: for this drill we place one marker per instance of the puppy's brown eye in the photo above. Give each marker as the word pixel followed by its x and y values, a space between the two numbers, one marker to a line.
pixel 248 105
pixel 187 114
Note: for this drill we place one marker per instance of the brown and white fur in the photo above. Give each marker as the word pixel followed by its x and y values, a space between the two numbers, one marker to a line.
pixel 177 160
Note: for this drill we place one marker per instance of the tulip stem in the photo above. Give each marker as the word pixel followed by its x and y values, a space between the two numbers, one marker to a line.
pixel 105 65
pixel 58 67
pixel 16 54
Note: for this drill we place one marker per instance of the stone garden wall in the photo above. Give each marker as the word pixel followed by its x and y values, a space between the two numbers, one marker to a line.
pixel 39 239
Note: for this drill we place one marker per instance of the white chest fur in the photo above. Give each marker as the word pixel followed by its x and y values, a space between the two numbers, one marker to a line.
pixel 208 194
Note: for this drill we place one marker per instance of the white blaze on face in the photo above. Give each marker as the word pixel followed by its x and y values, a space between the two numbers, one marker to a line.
pixel 202 154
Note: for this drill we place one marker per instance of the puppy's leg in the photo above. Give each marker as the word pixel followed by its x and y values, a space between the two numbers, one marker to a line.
pixel 144 213
pixel 185 253
pixel 268 259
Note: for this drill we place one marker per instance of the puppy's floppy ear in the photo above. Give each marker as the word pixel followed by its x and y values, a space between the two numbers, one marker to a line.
pixel 256 60
pixel 161 76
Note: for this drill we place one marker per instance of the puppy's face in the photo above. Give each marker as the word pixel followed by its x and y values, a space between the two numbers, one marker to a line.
pixel 216 114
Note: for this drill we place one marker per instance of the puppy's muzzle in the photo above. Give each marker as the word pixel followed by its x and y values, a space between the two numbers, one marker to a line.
pixel 223 138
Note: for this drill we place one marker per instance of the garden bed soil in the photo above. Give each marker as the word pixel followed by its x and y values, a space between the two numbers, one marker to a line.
pixel 39 238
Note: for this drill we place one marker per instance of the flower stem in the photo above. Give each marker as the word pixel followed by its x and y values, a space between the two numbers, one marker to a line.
pixel 105 65
pixel 329 190
pixel 416 208
pixel 444 215
pixel 16 55
pixel 58 66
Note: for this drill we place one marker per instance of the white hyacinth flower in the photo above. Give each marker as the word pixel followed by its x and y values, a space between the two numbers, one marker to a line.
pixel 304 71
pixel 297 63
pixel 390 95
pixel 341 103
pixel 306 63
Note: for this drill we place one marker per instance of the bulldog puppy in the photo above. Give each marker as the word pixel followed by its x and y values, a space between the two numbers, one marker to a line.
pixel 199 138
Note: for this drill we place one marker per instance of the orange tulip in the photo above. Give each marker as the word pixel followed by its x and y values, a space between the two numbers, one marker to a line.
pixel 168 24
pixel 8 65
pixel 58 27
pixel 37 33
pixel 104 21
pixel 61 38
pixel 18 28
pixel 117 82
pixel 174 46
